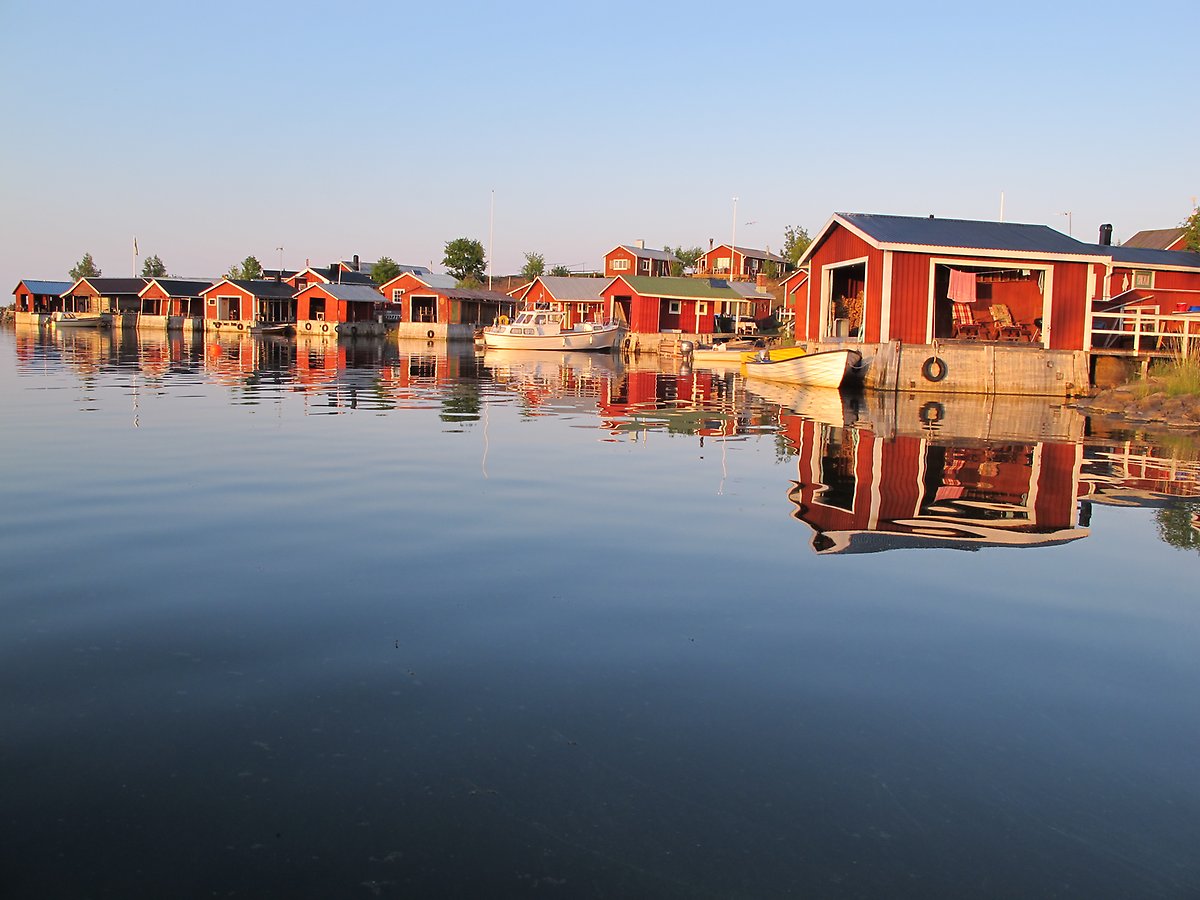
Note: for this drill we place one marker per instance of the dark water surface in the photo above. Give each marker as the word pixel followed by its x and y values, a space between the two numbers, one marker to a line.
pixel 303 620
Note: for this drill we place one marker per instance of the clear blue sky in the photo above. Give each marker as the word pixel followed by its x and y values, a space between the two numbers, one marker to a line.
pixel 216 130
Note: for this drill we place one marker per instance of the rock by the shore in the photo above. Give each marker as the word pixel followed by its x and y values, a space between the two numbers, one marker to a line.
pixel 1154 407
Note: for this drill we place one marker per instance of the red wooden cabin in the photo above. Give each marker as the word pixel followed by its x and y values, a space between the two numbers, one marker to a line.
pixel 741 263
pixel 883 278
pixel 636 259
pixel 238 305
pixel 347 309
pixel 687 305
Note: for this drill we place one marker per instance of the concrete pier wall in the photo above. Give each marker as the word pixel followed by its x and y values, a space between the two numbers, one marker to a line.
pixel 969 367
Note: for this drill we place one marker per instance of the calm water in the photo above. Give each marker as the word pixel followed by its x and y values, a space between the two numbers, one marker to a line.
pixel 375 621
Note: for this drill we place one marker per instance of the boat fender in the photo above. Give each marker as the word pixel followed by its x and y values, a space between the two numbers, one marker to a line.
pixel 429 334
pixel 308 326
pixel 325 329
pixel 934 369
pixel 932 413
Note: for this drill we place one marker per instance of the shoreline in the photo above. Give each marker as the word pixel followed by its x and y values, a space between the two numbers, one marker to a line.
pixel 1127 403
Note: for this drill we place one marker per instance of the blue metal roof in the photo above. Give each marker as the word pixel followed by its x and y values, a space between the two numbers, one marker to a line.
pixel 968 234
pixel 47 287
pixel 1146 256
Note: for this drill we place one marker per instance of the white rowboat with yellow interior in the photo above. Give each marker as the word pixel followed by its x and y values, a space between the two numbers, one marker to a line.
pixel 826 369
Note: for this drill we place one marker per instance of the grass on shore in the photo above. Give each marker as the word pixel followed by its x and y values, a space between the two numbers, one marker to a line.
pixel 1179 377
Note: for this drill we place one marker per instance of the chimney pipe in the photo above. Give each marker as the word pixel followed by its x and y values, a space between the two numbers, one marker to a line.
pixel 1106 235
pixel 640 244
pixel 355 262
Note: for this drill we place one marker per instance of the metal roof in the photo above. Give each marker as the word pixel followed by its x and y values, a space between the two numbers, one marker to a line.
pixel 46 287
pixel 1150 257
pixel 271 290
pixel 340 277
pixel 108 287
pixel 181 287
pixel 1154 238
pixel 438 282
pixel 577 289
pixel 967 234
pixel 476 294
pixel 753 252
pixel 749 290
pixel 647 253
pixel 352 293
pixel 689 288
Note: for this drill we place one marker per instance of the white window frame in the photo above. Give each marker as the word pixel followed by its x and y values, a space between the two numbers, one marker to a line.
pixel 1143 279
pixel 674 307
pixel 620 265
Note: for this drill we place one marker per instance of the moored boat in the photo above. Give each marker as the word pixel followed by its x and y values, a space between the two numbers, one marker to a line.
pixel 826 369
pixel 77 320
pixel 541 329
pixel 727 353
pixel 775 354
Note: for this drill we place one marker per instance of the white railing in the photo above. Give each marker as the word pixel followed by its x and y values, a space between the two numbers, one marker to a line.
pixel 1146 332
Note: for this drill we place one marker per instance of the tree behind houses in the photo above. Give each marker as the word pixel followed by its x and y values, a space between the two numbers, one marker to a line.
pixel 1191 232
pixel 795 242
pixel 535 266
pixel 464 257
pixel 384 270
pixel 153 267
pixel 85 268
pixel 560 271
pixel 250 269
pixel 686 259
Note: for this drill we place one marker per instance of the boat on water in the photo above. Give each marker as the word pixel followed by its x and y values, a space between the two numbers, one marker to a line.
pixel 734 353
pixel 77 320
pixel 775 354
pixel 826 369
pixel 725 353
pixel 541 329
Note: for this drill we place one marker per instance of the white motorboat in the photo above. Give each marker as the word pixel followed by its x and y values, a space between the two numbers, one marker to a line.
pixel 541 329
pixel 77 320
pixel 728 353
pixel 826 369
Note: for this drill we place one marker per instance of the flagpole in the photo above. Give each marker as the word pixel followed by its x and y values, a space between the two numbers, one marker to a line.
pixel 135 256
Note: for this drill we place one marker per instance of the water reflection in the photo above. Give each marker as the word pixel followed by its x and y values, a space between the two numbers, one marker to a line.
pixel 872 472
pixel 882 472
pixel 375 618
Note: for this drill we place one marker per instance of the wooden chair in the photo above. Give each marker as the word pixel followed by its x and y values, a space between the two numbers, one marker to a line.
pixel 1006 327
pixel 965 325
